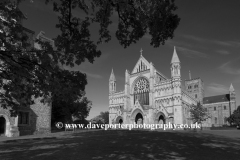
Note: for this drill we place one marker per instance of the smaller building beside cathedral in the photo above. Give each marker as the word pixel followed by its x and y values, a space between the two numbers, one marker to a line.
pixel 33 119
pixel 220 107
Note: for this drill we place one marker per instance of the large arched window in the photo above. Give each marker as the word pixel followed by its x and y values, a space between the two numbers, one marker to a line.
pixel 141 91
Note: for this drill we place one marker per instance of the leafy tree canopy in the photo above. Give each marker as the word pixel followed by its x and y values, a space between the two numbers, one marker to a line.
pixel 105 117
pixel 235 117
pixel 26 71
pixel 198 113
pixel 135 19
pixel 70 111
pixel 102 118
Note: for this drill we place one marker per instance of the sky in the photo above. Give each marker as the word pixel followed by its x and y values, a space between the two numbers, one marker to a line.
pixel 207 42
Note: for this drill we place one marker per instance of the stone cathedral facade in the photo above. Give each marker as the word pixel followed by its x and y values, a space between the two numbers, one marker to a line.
pixel 149 96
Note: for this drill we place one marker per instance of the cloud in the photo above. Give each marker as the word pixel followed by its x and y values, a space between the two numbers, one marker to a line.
pixel 223 52
pixel 229 69
pixel 191 53
pixel 93 75
pixel 227 43
pixel 88 68
pixel 218 42
pixel 216 88
pixel 222 43
pixel 194 38
pixel 184 44
pixel 233 69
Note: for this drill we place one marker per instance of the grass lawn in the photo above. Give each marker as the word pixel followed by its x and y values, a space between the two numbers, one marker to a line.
pixel 129 145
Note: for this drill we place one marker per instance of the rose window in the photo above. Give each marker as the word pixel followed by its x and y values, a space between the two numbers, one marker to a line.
pixel 141 91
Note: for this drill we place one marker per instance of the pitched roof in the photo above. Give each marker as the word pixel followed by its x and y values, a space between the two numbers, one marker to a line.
pixel 175 58
pixel 216 99
pixel 160 73
pixel 141 61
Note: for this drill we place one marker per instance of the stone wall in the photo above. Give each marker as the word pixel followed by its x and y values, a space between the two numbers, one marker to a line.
pixel 6 113
pixel 11 129
pixel 41 113
pixel 39 121
pixel 220 111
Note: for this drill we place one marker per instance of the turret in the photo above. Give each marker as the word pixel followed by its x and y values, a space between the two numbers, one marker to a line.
pixel 232 96
pixel 232 91
pixel 112 83
pixel 127 90
pixel 127 77
pixel 175 65
pixel 127 83
pixel 176 83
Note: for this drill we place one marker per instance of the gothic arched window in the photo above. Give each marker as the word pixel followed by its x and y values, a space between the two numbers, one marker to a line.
pixel 141 91
pixel 175 69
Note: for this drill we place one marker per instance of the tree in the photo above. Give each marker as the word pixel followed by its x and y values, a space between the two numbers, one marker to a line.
pixel 235 117
pixel 97 120
pixel 135 19
pixel 70 111
pixel 198 113
pixel 105 117
pixel 27 72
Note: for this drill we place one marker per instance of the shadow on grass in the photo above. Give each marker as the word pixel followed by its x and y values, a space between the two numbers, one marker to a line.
pixel 122 144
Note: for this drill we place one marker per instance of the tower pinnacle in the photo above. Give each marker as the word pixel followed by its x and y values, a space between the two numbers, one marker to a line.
pixel 112 76
pixel 175 58
pixel 231 89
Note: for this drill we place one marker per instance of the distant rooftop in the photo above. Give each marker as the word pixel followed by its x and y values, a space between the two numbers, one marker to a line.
pixel 216 99
pixel 193 79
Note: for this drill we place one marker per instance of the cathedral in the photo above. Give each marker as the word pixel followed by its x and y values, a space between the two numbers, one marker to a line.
pixel 150 97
